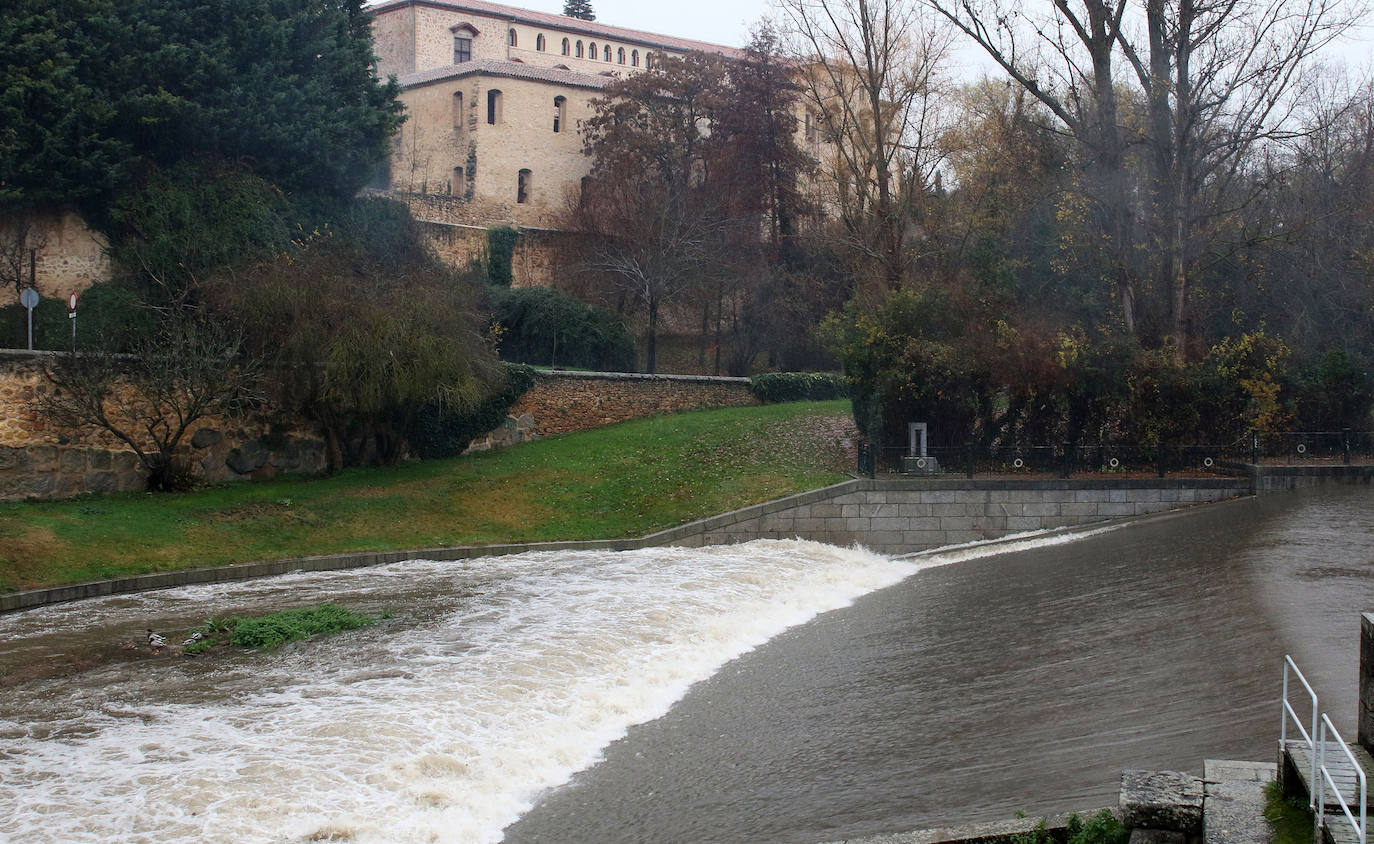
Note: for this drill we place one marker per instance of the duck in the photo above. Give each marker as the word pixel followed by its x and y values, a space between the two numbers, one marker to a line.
pixel 195 637
pixel 156 642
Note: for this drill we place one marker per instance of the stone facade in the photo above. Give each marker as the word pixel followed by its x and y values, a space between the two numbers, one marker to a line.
pixel 561 402
pixel 498 124
pixel 67 256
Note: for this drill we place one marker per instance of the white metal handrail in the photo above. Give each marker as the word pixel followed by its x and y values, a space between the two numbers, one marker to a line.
pixel 1308 737
pixel 1361 825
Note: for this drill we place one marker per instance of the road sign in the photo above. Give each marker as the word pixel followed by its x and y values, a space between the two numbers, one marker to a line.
pixel 71 303
pixel 28 298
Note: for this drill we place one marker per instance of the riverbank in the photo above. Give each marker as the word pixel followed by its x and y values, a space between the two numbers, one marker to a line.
pixel 621 481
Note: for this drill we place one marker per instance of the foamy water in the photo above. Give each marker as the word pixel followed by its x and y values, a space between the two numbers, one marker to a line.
pixel 493 680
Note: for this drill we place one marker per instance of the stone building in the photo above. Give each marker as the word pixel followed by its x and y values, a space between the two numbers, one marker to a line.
pixel 495 95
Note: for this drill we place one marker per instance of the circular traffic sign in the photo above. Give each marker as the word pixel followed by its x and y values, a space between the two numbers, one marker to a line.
pixel 28 298
pixel 71 302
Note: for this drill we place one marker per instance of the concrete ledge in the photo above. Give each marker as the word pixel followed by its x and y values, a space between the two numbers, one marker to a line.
pixel 638 376
pixel 978 833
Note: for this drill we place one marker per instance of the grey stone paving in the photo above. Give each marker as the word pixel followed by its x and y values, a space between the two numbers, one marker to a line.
pixel 1233 812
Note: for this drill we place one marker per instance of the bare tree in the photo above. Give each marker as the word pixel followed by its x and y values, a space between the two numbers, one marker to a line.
pixel 20 241
pixel 872 73
pixel 1217 80
pixel 149 400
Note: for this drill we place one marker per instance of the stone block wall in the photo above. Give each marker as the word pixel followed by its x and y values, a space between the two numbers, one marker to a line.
pixel 40 460
pixel 901 516
pixel 561 402
pixel 447 226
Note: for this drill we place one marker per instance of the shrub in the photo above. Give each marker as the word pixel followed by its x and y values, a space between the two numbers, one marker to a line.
pixel 776 387
pixel 500 250
pixel 440 431
pixel 546 327
pixel 271 631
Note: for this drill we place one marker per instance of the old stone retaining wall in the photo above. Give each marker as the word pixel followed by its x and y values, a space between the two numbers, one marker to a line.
pixel 561 402
pixel 39 460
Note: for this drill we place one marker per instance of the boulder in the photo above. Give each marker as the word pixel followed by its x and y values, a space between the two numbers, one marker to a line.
pixel 1162 800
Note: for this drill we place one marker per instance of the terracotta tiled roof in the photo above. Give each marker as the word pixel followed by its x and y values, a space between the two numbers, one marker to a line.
pixel 501 67
pixel 562 22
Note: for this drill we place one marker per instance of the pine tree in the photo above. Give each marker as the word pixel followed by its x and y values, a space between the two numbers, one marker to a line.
pixel 580 9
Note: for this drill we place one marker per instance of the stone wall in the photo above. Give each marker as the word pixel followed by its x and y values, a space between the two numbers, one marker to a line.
pixel 561 402
pixel 40 460
pixel 449 226
pixel 68 256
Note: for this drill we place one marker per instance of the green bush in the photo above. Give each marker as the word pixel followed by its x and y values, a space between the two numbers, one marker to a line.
pixel 776 387
pixel 440 431
pixel 546 327
pixel 271 631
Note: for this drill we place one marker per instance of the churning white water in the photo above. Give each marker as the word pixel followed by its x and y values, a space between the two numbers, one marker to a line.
pixel 488 682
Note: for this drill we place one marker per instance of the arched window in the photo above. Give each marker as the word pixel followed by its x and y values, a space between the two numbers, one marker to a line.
pixel 606 54
pixel 634 58
pixel 579 49
pixel 493 106
pixel 810 126
pixel 591 51
pixel 522 187
pixel 649 61
pixel 540 43
pixel 459 182
pixel 560 113
pixel 565 46
pixel 457 110
pixel 620 56
pixel 514 39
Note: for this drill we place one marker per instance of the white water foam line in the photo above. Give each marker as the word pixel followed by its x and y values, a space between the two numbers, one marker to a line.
pixel 527 668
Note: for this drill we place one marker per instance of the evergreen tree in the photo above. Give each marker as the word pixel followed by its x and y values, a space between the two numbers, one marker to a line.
pixel 580 9
pixel 96 91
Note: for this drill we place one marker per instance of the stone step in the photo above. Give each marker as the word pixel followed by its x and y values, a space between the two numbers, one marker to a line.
pixel 1233 810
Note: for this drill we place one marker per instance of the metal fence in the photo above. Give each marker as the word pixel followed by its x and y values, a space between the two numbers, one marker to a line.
pixel 1123 460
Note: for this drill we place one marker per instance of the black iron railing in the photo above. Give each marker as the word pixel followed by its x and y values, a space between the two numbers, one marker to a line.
pixel 1123 460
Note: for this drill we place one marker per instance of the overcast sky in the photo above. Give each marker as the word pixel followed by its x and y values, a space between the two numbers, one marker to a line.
pixel 729 21
pixel 717 21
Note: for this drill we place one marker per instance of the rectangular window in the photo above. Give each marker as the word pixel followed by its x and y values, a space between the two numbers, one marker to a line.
pixel 462 49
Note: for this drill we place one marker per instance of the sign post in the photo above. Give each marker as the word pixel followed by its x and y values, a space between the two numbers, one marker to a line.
pixel 29 298
pixel 71 315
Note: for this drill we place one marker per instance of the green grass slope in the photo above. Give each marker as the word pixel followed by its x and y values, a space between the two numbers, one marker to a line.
pixel 624 480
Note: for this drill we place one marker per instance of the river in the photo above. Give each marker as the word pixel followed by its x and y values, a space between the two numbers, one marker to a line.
pixel 773 691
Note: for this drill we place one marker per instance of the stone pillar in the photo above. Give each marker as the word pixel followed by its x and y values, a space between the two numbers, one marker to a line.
pixel 1365 710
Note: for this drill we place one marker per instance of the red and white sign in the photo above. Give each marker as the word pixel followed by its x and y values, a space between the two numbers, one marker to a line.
pixel 71 303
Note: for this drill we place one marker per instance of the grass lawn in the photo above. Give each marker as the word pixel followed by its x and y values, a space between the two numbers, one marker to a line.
pixel 624 480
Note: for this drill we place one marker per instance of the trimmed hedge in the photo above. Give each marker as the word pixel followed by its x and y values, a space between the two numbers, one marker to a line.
pixel 776 387
pixel 440 431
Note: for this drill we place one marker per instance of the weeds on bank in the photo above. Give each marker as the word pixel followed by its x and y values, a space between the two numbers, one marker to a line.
pixel 1289 817
pixel 1102 828
pixel 272 631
